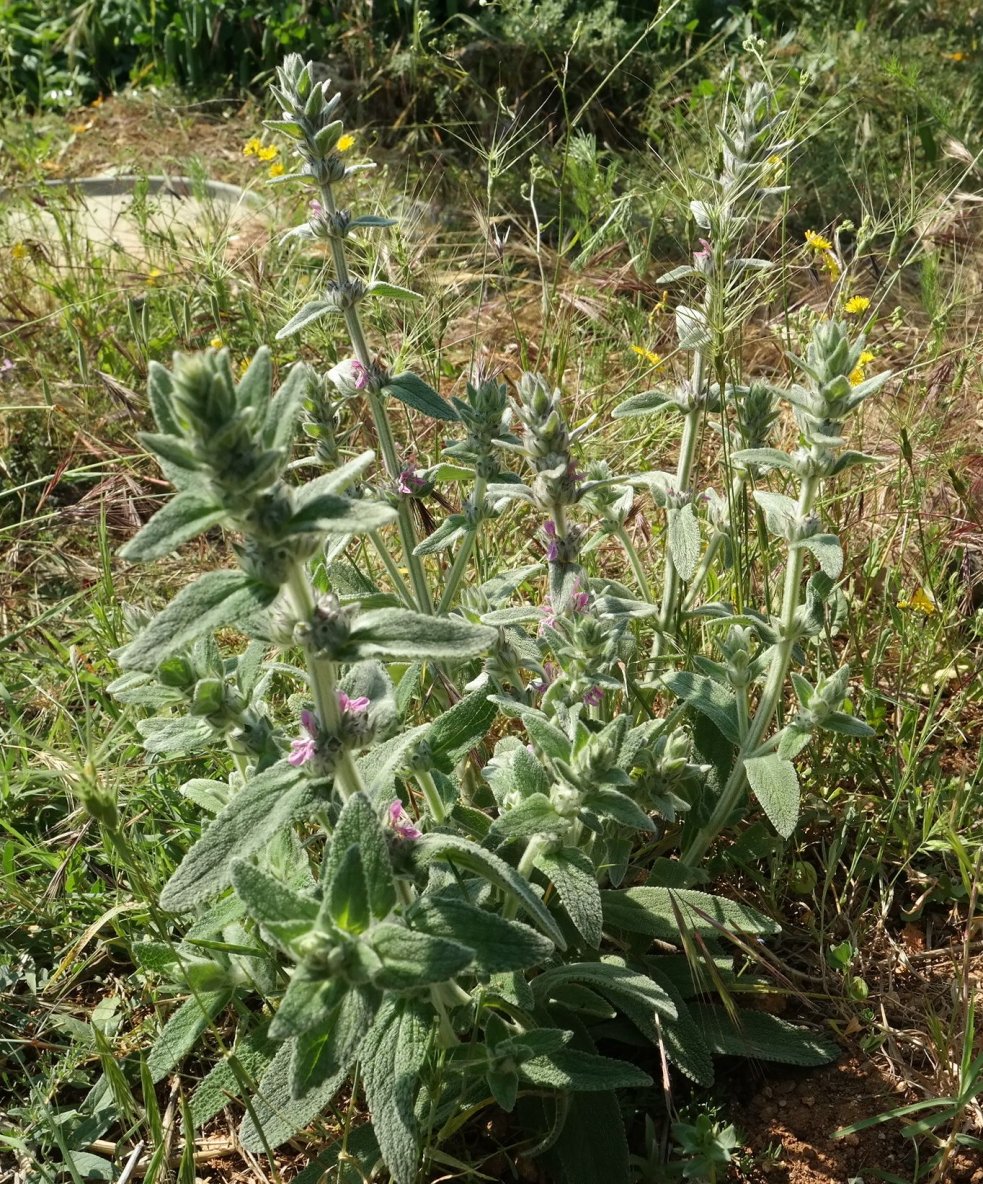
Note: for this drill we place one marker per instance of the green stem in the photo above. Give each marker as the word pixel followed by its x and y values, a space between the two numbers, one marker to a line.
pixel 526 864
pixel 435 803
pixel 387 445
pixel 635 560
pixel 460 564
pixel 394 573
pixel 771 696
pixel 348 780
pixel 684 470
pixel 710 554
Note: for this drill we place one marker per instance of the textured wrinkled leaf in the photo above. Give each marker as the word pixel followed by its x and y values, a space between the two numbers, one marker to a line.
pixel 592 1147
pixel 358 826
pixel 400 633
pixel 217 599
pixel 185 516
pixel 284 408
pixel 160 390
pixel 633 993
pixel 499 944
pixel 765 458
pixel 684 541
pixel 571 1069
pixel 547 737
pixel 252 1054
pixel 684 1043
pixel 455 732
pixel 176 735
pixel 255 387
pixel 268 802
pixel 708 697
pixel 330 514
pixel 323 1053
pixel 279 909
pixel 828 552
pixel 380 766
pixel 313 311
pixel 534 815
pixel 495 870
pixel 181 1032
pixel 572 874
pixel 757 1035
pixel 610 803
pixel 410 389
pixel 692 328
pixel 647 403
pixel 277 1114
pixel 446 534
pixel 653 911
pixel 411 959
pixel 775 784
pixel 309 1002
pixel 392 1059
pixel 780 511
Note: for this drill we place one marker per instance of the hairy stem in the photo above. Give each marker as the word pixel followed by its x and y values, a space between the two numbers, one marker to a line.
pixel 322 673
pixel 460 564
pixel 771 696
pixel 387 444
pixel 635 560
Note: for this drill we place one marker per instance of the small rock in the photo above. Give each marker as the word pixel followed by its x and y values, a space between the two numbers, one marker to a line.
pixel 852 1140
pixel 808 1100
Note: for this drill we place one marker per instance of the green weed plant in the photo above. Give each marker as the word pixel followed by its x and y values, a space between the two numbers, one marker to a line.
pixel 470 874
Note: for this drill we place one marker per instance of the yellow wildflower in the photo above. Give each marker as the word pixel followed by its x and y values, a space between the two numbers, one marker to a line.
pixel 857 374
pixel 345 142
pixel 270 152
pixel 856 305
pixel 153 275
pixel 251 147
pixel 79 128
pixel 276 170
pixel 97 102
pixel 216 343
pixel 831 265
pixel 650 356
pixel 958 56
pixel 19 250
pixel 817 241
pixel 922 601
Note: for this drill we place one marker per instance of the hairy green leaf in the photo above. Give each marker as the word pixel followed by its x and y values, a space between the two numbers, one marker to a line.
pixel 776 786
pixel 268 802
pixel 216 599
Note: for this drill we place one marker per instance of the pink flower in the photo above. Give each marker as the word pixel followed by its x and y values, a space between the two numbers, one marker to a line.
pixel 361 375
pixel 409 483
pixel 594 697
pixel 6 366
pixel 353 706
pixel 706 254
pixel 552 543
pixel 304 748
pixel 315 207
pixel 550 672
pixel 401 822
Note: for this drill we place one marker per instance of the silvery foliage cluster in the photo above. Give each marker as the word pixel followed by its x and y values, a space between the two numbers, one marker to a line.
pixel 391 899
